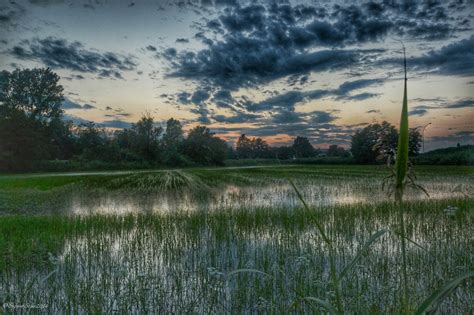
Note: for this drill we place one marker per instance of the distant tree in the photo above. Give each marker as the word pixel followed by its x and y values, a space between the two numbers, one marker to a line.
pixel 35 92
pixel 336 151
pixel 62 138
pixel 284 152
pixel 244 147
pixel 172 141
pixel 91 141
pixel 302 147
pixel 231 154
pixel 30 113
pixel 415 140
pixel 260 148
pixel 125 141
pixel 146 136
pixel 377 142
pixel 372 142
pixel 202 147
pixel 247 148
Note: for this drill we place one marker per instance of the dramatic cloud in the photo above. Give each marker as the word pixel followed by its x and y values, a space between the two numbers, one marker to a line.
pixel 238 118
pixel 61 54
pixel 231 66
pixel 467 103
pixel 422 110
pixel 454 59
pixel 68 104
pixel 116 123
pixel 290 99
pixel 260 43
pixel 418 112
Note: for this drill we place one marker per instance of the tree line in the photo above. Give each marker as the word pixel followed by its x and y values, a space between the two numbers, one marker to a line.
pixel 33 128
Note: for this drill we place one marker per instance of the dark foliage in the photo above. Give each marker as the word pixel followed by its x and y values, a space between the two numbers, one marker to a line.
pixel 377 142
pixel 302 148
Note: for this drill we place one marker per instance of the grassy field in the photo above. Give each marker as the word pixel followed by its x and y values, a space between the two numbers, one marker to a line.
pixel 135 243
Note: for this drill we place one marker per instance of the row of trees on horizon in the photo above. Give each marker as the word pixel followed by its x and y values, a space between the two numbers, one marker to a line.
pixel 32 129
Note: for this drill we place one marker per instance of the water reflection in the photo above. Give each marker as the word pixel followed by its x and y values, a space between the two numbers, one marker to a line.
pixel 278 194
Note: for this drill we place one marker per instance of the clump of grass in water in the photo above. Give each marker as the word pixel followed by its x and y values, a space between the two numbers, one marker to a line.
pixel 159 181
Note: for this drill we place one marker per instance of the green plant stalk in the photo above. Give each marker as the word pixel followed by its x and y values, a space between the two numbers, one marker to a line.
pixel 401 167
pixel 332 261
pixel 335 279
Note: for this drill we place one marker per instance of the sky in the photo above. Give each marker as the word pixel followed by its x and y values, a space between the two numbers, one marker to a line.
pixel 270 69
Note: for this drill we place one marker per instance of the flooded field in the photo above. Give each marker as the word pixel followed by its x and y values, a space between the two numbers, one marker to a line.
pixel 120 193
pixel 228 241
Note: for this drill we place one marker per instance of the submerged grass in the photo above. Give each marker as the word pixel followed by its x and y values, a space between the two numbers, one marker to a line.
pixel 183 262
pixel 247 259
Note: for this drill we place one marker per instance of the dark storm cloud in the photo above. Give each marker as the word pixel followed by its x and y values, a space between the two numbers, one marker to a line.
pixel 203 114
pixel 182 40
pixel 467 103
pixel 223 99
pixel 61 54
pixel 183 97
pixel 287 117
pixel 232 66
pixel 10 14
pixel 88 106
pixel 237 118
pixel 260 42
pixel 343 92
pixel 199 96
pixel 68 104
pixel 361 96
pixel 454 59
pixel 321 117
pixel 46 2
pixel 422 110
pixel 418 112
pixel 115 123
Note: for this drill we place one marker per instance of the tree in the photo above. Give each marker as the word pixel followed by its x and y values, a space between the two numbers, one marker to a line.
pixel 284 152
pixel 203 148
pixel 172 141
pixel 247 148
pixel 302 147
pixel 244 147
pixel 415 140
pixel 336 151
pixel 146 138
pixel 35 92
pixel 31 128
pixel 260 148
pixel 373 142
pixel 376 142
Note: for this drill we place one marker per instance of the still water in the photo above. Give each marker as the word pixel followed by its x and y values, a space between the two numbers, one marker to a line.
pixel 278 194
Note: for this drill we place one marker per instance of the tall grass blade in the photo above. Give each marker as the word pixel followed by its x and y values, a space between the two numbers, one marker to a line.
pixel 305 205
pixel 364 248
pixel 429 305
pixel 412 241
pixel 401 162
pixel 401 169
